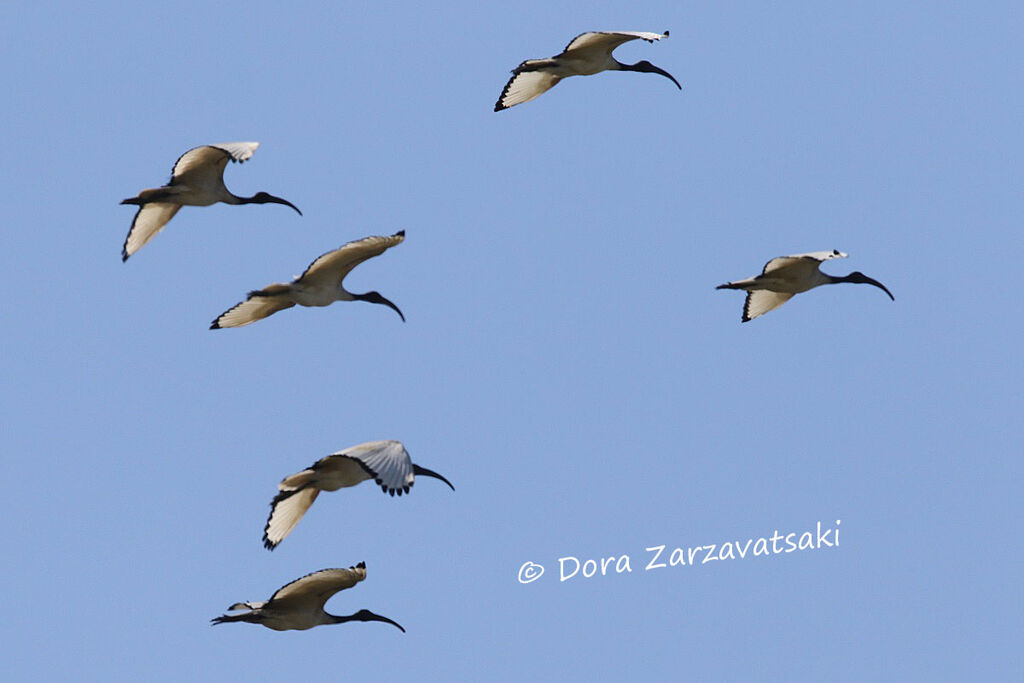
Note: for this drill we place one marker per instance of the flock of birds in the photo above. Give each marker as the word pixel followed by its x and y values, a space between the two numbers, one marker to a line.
pixel 197 179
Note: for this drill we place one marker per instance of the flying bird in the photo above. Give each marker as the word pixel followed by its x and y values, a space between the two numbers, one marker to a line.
pixel 785 276
pixel 299 605
pixel 320 285
pixel 586 54
pixel 385 462
pixel 197 179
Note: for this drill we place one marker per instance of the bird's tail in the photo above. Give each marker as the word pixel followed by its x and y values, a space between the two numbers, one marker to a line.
pixel 271 290
pixel 729 285
pixel 226 618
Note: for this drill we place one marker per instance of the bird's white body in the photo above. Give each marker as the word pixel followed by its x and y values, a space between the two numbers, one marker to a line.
pixel 299 618
pixel 792 274
pixel 320 285
pixel 319 294
pixel 587 54
pixel 385 462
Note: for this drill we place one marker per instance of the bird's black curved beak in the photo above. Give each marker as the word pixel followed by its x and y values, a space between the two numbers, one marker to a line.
pixel 376 298
pixel 367 615
pixel 416 469
pixel 278 200
pixel 861 278
pixel 647 67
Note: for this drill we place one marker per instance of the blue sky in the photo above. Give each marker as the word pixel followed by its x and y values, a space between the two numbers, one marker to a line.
pixel 566 363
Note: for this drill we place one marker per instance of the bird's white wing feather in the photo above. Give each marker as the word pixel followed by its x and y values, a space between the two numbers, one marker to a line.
pixel 286 510
pixel 525 86
pixel 760 301
pixel 606 41
pixel 318 587
pixel 328 270
pixel 206 158
pixel 387 462
pixel 810 260
pixel 149 220
pixel 252 309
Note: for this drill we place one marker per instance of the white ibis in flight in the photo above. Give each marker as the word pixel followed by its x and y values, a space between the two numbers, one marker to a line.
pixel 197 179
pixel 586 54
pixel 320 285
pixel 785 276
pixel 385 462
pixel 299 605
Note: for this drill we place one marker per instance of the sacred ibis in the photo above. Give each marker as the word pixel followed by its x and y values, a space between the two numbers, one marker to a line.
pixel 785 276
pixel 197 179
pixel 586 54
pixel 386 462
pixel 299 605
pixel 320 285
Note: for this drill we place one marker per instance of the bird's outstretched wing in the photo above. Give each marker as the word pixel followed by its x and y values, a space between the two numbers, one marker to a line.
pixel 287 508
pixel 606 41
pixel 209 160
pixel 808 261
pixel 149 220
pixel 798 267
pixel 387 463
pixel 760 301
pixel 318 587
pixel 259 305
pixel 527 83
pixel 328 270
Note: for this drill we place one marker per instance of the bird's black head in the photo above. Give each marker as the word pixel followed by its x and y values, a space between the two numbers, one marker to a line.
pixel 376 298
pixel 647 67
pixel 860 278
pixel 267 198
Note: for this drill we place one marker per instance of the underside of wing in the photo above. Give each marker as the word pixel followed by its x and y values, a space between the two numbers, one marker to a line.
pixel 760 301
pixel 286 510
pixel 319 586
pixel 256 307
pixel 211 158
pixel 609 40
pixel 149 220
pixel 526 84
pixel 387 462
pixel 328 270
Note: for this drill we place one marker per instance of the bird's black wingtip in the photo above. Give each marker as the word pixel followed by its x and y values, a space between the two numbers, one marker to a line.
pixel 665 34
pixel 215 325
pixel 400 233
pixel 124 255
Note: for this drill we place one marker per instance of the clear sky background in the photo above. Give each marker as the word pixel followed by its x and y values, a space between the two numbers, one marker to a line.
pixel 567 363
